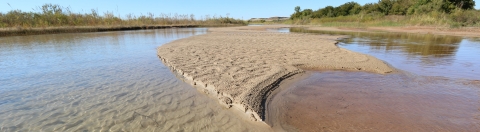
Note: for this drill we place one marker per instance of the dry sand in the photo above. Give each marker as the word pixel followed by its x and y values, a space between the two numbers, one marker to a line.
pixel 241 66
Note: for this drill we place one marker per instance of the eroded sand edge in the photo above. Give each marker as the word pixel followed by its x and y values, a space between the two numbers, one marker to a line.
pixel 240 66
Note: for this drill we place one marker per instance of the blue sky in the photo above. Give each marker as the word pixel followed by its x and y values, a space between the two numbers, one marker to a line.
pixel 245 9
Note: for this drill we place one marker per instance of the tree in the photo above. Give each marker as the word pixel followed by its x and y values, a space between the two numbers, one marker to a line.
pixel 400 7
pixel 370 8
pixel 346 9
pixel 307 12
pixel 427 6
pixel 385 6
pixel 447 6
pixel 463 4
pixel 296 14
pixel 356 9
pixel 328 11
pixel 297 9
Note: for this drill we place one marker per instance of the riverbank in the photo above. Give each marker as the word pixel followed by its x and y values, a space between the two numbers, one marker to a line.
pixel 80 29
pixel 464 32
pixel 241 66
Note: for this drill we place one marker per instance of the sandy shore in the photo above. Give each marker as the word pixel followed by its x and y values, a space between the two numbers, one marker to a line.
pixel 465 32
pixel 80 29
pixel 241 66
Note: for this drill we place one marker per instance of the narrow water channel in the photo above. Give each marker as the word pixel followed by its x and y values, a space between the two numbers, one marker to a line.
pixel 421 54
pixel 106 81
pixel 437 89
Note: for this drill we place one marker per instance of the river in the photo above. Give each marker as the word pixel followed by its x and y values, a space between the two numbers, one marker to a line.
pixel 436 89
pixel 104 81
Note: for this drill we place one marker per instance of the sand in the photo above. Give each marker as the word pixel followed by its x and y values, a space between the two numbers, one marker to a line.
pixel 241 66
pixel 463 32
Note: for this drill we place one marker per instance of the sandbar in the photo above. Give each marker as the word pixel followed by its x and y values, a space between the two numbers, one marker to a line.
pixel 241 66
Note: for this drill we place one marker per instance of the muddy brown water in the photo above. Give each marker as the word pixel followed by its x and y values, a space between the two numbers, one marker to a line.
pixel 437 89
pixel 108 81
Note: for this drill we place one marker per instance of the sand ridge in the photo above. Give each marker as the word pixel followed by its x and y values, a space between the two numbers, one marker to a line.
pixel 240 66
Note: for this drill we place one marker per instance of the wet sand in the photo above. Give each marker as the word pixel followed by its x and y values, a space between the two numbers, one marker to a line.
pixel 241 66
pixel 463 32
pixel 359 101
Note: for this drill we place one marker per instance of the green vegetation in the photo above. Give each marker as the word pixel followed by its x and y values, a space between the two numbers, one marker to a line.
pixel 453 13
pixel 50 15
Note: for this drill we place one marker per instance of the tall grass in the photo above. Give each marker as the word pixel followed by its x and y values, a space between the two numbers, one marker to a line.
pixel 50 15
pixel 458 18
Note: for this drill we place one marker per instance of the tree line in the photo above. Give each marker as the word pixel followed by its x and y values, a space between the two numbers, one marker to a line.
pixel 456 9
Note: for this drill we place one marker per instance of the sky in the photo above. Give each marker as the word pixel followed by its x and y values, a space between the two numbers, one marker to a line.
pixel 241 9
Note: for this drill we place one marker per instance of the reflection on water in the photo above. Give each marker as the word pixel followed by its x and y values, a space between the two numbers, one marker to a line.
pixel 281 30
pixel 102 81
pixel 412 44
pixel 422 54
pixel 443 94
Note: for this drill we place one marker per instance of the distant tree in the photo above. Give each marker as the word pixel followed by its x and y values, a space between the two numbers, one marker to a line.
pixel 400 7
pixel 348 9
pixel 370 8
pixel 297 13
pixel 307 13
pixel 324 12
pixel 317 14
pixel 330 11
pixel 463 4
pixel 449 5
pixel 356 9
pixel 385 6
pixel 297 9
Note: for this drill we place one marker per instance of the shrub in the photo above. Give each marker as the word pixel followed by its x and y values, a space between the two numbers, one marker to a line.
pixel 466 17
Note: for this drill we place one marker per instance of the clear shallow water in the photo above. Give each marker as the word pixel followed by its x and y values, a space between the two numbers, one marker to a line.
pixel 420 54
pixel 437 89
pixel 102 81
pixel 360 101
